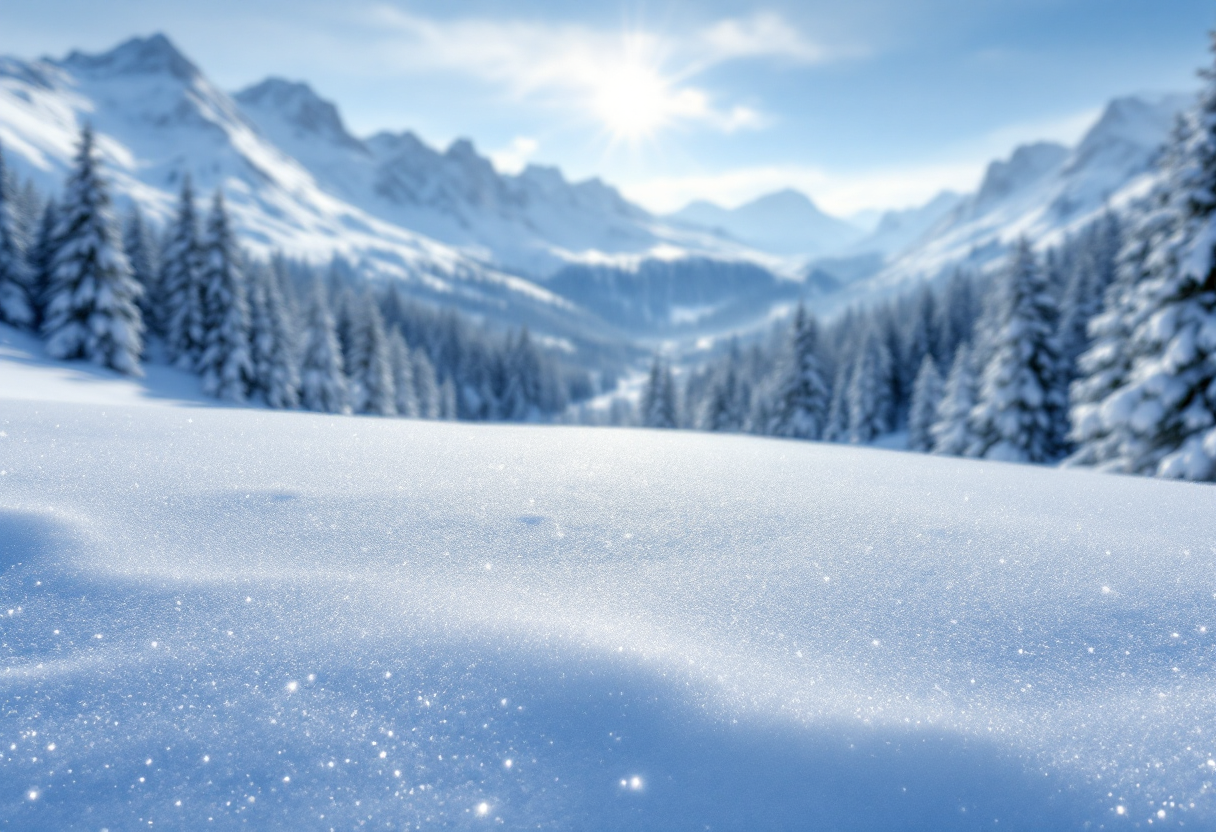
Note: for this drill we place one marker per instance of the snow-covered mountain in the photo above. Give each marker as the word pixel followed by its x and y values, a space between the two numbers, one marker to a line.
pixel 784 223
pixel 896 230
pixel 514 248
pixel 532 222
pixel 158 119
pixel 1043 191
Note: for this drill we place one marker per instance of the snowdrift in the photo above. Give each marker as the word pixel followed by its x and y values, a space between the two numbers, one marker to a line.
pixel 222 618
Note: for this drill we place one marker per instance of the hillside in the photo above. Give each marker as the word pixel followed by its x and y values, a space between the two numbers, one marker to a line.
pixel 243 618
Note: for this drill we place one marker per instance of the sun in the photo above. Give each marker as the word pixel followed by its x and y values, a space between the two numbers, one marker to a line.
pixel 633 100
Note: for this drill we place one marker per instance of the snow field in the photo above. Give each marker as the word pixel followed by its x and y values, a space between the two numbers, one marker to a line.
pixel 221 618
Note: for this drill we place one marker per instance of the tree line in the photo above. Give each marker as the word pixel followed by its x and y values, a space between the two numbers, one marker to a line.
pixel 1099 351
pixel 277 331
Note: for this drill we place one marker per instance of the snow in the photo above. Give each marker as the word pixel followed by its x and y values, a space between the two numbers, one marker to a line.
pixel 234 617
pixel 28 374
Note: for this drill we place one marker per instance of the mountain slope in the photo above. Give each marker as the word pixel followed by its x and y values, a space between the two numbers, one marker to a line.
pixel 158 119
pixel 784 223
pixel 533 222
pixel 1044 191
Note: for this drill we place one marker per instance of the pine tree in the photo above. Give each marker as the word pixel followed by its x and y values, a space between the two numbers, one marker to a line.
pixel 659 398
pixel 1020 413
pixel 523 392
pixel 322 380
pixel 869 392
pixel 92 309
pixel 42 258
pixel 956 314
pixel 447 400
pixel 226 364
pixel 28 206
pixel 16 279
pixel 951 430
pixel 729 401
pixel 403 375
pixel 1093 271
pixel 427 386
pixel 837 428
pixel 1163 418
pixel 137 241
pixel 926 397
pixel 1102 370
pixel 272 342
pixel 802 398
pixel 181 286
pixel 372 371
pixel 352 330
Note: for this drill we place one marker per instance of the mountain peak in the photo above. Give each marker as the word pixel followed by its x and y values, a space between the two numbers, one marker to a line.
pixel 1028 165
pixel 785 199
pixel 297 104
pixel 152 55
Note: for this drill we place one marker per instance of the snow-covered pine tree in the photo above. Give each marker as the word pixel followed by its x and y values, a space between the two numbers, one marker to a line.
pixel 226 364
pixel 16 278
pixel 426 386
pixel 522 394
pixel 403 375
pixel 447 400
pixel 92 308
pixel 1164 417
pixel 951 429
pixel 659 398
pixel 802 397
pixel 322 379
pixel 926 397
pixel 352 332
pixel 276 367
pixel 1093 271
pixel 837 427
pixel 1020 414
pixel 956 313
pixel 920 337
pixel 181 285
pixel 372 377
pixel 729 401
pixel 28 205
pixel 42 257
pixel 1104 367
pixel 141 253
pixel 869 392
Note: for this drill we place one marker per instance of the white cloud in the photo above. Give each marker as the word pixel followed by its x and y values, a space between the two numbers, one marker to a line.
pixel 634 82
pixel 515 157
pixel 763 35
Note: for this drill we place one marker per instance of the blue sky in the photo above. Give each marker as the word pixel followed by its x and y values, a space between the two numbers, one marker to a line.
pixel 866 104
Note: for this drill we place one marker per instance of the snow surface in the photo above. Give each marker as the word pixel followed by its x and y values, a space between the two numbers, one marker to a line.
pixel 217 617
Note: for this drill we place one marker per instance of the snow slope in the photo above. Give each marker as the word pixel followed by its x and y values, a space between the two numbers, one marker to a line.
pixel 227 618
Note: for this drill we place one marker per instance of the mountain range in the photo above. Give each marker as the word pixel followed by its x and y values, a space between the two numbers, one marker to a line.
pixel 577 262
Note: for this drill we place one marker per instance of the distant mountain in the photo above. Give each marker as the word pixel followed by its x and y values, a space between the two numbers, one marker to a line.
pixel 784 223
pixel 533 222
pixel 1043 191
pixel 576 262
pixel 896 230
pixel 158 119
